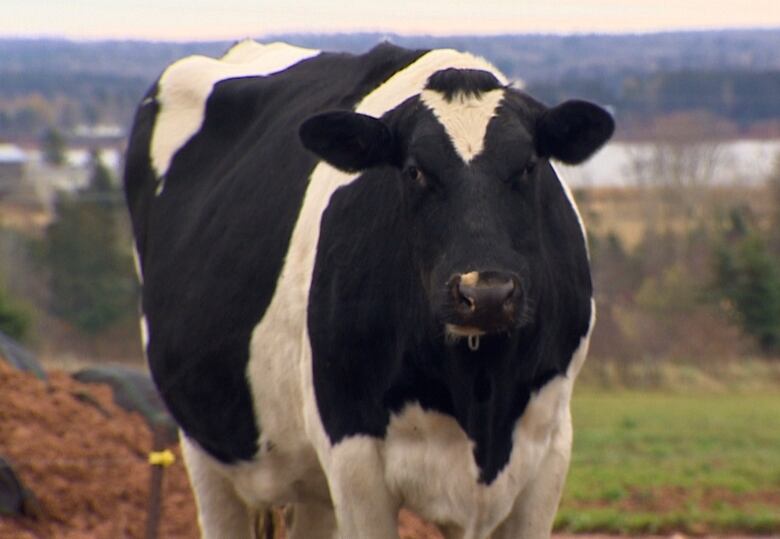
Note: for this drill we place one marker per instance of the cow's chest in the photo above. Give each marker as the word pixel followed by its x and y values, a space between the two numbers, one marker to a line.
pixel 430 465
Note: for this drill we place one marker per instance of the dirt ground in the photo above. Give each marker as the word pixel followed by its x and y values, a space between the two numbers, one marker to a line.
pixel 85 460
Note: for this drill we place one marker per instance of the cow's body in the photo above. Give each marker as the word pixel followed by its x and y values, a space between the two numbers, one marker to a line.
pixel 284 319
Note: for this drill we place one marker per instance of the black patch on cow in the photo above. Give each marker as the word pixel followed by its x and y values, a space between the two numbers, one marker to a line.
pixel 213 243
pixel 376 344
pixel 470 82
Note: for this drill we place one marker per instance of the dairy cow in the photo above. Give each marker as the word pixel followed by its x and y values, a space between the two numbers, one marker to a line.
pixel 364 287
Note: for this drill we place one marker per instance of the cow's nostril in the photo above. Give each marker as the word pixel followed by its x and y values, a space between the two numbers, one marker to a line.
pixel 509 292
pixel 467 297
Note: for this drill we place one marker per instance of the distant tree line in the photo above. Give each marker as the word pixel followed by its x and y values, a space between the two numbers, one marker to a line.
pixel 734 74
pixel 741 96
pixel 32 102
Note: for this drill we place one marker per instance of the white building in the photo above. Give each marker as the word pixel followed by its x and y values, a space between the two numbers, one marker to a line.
pixel 13 164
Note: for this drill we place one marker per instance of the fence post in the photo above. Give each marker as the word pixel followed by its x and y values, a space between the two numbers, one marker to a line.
pixel 158 459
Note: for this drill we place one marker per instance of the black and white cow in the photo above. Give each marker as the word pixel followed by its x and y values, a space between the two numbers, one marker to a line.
pixel 364 287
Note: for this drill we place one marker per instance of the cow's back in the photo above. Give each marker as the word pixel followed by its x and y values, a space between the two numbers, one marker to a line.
pixel 215 180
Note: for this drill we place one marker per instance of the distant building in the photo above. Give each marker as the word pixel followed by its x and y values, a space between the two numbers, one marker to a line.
pixel 99 136
pixel 13 162
pixel 22 206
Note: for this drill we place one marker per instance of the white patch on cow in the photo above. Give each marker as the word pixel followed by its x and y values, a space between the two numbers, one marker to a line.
pixel 137 264
pixel 185 86
pixel 570 196
pixel 221 512
pixel 144 325
pixel 356 477
pixel 465 118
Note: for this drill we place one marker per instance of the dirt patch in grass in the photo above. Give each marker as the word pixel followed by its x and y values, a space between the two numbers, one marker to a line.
pixel 714 497
pixel 668 499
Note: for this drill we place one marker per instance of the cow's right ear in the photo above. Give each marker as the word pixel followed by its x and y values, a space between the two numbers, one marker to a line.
pixel 573 131
pixel 348 140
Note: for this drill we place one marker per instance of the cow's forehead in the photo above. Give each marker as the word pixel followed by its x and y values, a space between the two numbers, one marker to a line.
pixel 465 117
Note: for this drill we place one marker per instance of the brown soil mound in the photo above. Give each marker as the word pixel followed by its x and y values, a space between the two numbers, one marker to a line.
pixel 85 459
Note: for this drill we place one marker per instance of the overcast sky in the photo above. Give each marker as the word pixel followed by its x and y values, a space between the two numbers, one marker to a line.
pixel 231 19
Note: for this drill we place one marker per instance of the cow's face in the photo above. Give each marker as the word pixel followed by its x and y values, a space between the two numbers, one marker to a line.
pixel 472 159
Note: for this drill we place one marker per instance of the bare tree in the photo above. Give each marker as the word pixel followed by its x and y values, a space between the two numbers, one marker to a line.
pixel 676 170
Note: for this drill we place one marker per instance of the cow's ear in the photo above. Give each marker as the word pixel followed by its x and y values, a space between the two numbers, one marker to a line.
pixel 348 140
pixel 573 131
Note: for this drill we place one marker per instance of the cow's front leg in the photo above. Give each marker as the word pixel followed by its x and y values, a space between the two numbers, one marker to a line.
pixel 364 505
pixel 534 510
pixel 221 512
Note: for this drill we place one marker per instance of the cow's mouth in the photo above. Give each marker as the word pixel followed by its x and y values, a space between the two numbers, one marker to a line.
pixel 474 337
pixel 455 331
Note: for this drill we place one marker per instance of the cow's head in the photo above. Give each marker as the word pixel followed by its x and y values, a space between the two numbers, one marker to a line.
pixel 493 234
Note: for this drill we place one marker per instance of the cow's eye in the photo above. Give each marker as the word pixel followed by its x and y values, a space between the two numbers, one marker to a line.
pixel 415 174
pixel 520 175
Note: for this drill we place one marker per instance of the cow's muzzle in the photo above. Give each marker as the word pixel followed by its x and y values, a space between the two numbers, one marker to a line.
pixel 483 302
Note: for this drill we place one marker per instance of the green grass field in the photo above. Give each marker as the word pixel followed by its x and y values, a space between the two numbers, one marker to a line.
pixel 648 462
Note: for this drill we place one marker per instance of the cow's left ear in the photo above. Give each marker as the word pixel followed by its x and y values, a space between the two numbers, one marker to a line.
pixel 573 131
pixel 348 140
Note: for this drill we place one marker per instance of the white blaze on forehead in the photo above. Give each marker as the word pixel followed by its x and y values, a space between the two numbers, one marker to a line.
pixel 412 80
pixel 186 85
pixel 465 117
